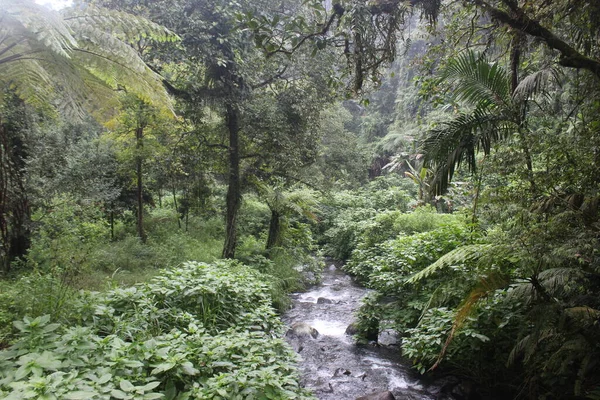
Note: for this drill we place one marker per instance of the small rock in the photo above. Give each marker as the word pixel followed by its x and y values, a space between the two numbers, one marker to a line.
pixel 302 330
pixel 387 395
pixel 332 267
pixel 326 388
pixel 388 337
pixel 323 300
pixel 341 371
pixel 352 329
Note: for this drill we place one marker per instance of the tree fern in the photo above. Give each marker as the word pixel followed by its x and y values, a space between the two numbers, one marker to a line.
pixel 77 60
pixel 461 255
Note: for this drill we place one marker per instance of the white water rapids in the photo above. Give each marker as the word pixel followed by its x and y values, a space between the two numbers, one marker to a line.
pixel 333 367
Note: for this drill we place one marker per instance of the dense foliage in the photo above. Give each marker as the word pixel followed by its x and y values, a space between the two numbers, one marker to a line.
pixel 462 187
pixel 200 331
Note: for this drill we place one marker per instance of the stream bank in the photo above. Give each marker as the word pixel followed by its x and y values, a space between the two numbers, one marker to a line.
pixel 333 366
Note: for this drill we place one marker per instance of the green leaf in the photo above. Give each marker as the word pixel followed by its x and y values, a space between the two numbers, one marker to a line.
pixel 188 369
pixel 150 386
pixel 79 395
pixel 126 386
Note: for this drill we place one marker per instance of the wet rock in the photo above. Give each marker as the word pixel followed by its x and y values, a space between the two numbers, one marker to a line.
pixel 323 300
pixel 302 330
pixel 352 329
pixel 299 334
pixel 388 337
pixel 341 371
pixel 332 267
pixel 387 395
pixel 322 386
pixel 453 388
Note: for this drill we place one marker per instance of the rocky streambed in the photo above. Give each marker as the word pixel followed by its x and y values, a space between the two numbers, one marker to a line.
pixel 333 366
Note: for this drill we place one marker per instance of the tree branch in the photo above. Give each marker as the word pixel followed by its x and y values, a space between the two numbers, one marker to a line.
pixel 271 79
pixel 569 56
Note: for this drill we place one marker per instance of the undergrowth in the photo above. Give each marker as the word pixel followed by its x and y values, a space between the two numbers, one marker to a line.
pixel 198 331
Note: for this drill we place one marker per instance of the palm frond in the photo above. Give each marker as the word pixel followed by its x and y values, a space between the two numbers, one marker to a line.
pixel 457 142
pixel 478 82
pixel 536 84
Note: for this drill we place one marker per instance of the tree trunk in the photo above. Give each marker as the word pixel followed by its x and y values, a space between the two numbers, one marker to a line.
pixel 233 190
pixel 179 212
pixel 14 204
pixel 139 135
pixel 274 230
pixel 112 224
pixel 515 60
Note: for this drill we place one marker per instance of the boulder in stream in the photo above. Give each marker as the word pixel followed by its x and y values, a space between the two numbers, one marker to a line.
pixel 324 300
pixel 352 329
pixel 302 330
pixel 387 395
pixel 388 337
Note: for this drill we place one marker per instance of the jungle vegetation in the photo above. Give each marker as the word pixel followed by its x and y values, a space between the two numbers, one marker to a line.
pixel 171 170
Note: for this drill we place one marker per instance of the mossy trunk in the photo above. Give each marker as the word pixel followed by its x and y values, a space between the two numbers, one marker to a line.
pixel 234 195
pixel 139 135
pixel 274 230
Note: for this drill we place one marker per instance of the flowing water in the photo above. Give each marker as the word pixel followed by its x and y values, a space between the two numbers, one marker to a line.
pixel 333 366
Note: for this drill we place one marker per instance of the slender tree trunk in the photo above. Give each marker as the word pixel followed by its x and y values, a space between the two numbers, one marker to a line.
pixel 14 204
pixel 112 224
pixel 274 230
pixel 515 59
pixel 187 216
pixel 179 216
pixel 234 188
pixel 4 226
pixel 139 135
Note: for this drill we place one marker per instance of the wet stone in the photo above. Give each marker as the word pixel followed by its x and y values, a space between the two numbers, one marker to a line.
pixel 352 329
pixel 388 337
pixel 341 372
pixel 387 395
pixel 323 300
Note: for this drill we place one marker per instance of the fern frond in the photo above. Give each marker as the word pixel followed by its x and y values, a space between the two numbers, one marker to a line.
pixel 458 256
pixel 556 280
pixel 585 315
pixel 77 61
pixel 527 346
pixel 486 285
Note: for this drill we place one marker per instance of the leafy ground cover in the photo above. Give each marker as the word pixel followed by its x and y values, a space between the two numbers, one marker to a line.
pixel 199 331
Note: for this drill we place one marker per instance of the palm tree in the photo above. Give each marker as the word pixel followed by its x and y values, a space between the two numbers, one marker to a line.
pixel 495 112
pixel 494 115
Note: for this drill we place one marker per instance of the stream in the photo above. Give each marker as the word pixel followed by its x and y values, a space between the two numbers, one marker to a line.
pixel 332 365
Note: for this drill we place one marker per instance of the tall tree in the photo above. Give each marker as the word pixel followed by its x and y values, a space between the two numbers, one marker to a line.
pixel 72 62
pixel 223 71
